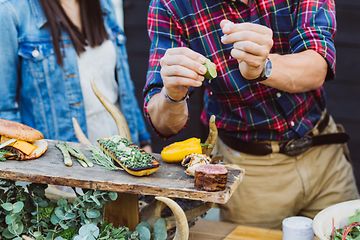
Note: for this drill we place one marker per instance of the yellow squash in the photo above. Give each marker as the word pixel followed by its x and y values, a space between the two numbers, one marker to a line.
pixel 175 153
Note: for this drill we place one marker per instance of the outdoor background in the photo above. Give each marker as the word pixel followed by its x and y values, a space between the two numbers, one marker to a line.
pixel 343 93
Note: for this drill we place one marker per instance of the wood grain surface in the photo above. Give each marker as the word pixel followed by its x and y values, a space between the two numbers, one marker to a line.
pixel 252 233
pixel 170 180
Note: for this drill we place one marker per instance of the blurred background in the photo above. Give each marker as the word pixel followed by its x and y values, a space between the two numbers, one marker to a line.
pixel 343 93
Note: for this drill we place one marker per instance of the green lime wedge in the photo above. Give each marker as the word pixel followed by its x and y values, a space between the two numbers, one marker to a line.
pixel 211 70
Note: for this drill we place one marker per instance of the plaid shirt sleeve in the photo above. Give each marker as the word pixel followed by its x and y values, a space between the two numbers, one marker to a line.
pixel 164 33
pixel 315 29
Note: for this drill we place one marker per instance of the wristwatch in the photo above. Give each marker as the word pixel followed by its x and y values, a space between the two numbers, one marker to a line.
pixel 266 72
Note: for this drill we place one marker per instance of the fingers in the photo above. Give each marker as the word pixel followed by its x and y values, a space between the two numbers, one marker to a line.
pixel 184 61
pixel 252 48
pixel 180 71
pixel 174 82
pixel 224 22
pixel 181 68
pixel 229 27
pixel 250 59
pixel 247 36
pixel 186 52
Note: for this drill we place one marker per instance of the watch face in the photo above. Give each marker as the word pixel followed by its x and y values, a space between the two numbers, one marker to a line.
pixel 268 68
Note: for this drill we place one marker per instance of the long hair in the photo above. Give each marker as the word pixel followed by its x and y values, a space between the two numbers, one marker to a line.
pixel 93 34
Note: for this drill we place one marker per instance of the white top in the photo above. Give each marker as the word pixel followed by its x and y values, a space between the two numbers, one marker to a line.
pixel 98 64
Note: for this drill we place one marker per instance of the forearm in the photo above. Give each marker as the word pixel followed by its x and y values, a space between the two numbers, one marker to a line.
pixel 299 72
pixel 168 118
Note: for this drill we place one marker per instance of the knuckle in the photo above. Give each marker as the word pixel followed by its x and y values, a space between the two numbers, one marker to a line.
pixel 175 71
pixel 270 42
pixel 194 75
pixel 183 50
pixel 270 32
pixel 162 61
pixel 170 51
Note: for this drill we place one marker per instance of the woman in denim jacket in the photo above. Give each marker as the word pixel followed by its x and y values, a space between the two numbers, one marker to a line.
pixel 49 53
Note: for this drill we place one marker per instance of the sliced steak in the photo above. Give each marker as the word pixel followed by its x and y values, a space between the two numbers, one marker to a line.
pixel 211 177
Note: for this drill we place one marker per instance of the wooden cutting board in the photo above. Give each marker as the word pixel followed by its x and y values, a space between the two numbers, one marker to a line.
pixel 251 233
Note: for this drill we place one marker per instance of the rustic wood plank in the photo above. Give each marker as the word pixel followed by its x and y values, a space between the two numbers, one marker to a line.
pixel 124 211
pixel 211 230
pixel 169 181
pixel 252 233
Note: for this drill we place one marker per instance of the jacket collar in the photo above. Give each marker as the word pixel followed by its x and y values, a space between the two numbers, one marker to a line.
pixel 38 12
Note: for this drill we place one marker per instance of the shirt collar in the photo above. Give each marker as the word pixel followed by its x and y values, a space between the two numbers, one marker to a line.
pixel 38 12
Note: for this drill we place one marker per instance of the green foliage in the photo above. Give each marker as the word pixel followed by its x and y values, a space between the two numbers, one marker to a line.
pixel 160 231
pixel 354 234
pixel 144 231
pixel 25 210
pixel 156 232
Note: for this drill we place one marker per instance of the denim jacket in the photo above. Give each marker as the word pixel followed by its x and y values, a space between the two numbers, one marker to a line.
pixel 35 90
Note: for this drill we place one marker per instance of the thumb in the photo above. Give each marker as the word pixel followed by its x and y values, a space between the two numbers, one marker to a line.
pixel 224 22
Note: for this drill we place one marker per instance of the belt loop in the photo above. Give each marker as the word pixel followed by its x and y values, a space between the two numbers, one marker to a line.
pixel 315 131
pixel 275 147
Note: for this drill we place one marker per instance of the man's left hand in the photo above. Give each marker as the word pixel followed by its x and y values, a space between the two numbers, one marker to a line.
pixel 252 44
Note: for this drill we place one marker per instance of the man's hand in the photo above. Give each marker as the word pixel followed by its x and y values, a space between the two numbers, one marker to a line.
pixel 252 45
pixel 181 68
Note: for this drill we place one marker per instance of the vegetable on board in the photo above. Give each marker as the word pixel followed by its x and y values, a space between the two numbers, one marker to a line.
pixel 176 152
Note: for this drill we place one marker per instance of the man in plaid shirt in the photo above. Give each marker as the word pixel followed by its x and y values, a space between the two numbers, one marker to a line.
pixel 272 59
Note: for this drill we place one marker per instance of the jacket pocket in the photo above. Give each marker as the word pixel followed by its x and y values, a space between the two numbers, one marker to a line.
pixel 37 59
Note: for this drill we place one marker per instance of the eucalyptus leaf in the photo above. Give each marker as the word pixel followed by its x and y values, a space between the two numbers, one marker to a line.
pixel 144 232
pixel 113 196
pixel 95 200
pixel 60 238
pixel 144 224
pixel 17 207
pixel 7 206
pixel 62 202
pixel 93 213
pixel 9 219
pixel 37 234
pixel 160 231
pixel 89 230
pixel 59 213
pixel 54 219
pixel 7 234
pixel 63 225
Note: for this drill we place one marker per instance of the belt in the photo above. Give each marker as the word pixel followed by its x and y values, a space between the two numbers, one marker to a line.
pixel 293 147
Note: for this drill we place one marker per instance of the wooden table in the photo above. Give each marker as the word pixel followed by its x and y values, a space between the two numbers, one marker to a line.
pixel 169 181
pixel 211 230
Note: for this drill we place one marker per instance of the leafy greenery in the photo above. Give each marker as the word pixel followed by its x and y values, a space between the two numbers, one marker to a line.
pixel 350 232
pixel 102 159
pixel 25 210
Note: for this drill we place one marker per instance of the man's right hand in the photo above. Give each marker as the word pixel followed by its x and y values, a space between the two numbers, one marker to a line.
pixel 181 68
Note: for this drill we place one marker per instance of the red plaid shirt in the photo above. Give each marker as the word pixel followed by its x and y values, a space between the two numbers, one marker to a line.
pixel 248 111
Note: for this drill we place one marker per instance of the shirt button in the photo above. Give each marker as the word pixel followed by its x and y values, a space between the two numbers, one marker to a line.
pixel 121 38
pixel 292 123
pixel 35 53
pixel 278 94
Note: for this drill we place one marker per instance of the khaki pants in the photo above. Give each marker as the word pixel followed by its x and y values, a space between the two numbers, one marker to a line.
pixel 277 186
